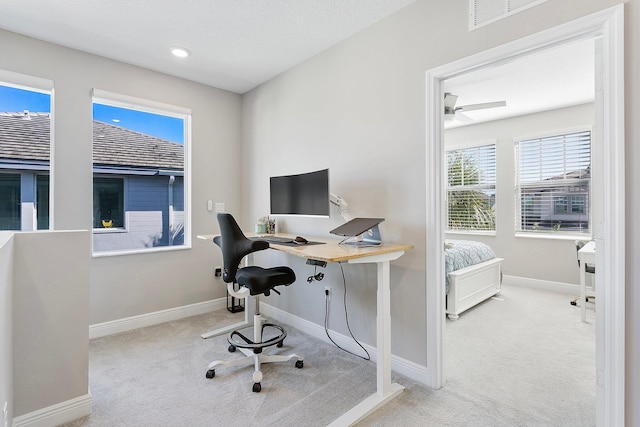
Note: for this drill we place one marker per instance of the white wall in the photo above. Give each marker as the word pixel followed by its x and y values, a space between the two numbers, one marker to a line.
pixel 50 319
pixel 533 258
pixel 6 321
pixel 121 286
pixel 359 109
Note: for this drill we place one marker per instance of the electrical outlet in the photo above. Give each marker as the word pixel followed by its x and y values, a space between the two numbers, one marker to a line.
pixel 217 272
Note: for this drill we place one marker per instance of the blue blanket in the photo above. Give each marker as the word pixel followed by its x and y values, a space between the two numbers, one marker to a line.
pixel 464 253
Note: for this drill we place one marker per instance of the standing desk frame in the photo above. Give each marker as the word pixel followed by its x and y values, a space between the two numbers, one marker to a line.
pixel 382 256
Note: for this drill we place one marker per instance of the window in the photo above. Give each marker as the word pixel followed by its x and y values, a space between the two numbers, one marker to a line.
pixel 10 201
pixel 553 184
pixel 140 174
pixel 108 203
pixel 25 139
pixel 471 188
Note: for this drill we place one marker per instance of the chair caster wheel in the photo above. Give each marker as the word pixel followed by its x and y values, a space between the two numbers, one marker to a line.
pixel 211 373
pixel 299 364
pixel 573 303
pixel 257 387
pixel 280 344
pixel 232 348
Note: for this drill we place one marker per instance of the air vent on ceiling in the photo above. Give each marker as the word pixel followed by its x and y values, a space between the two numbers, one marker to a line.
pixel 483 12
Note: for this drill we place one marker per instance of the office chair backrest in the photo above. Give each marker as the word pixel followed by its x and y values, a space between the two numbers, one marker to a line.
pixel 234 246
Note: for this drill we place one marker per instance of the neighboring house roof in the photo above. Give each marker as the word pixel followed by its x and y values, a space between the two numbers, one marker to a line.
pixel 28 140
pixel 576 174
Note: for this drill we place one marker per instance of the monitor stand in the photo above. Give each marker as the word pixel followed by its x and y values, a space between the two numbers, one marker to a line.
pixel 370 237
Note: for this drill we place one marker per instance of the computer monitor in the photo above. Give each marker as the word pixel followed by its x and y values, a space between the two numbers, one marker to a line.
pixel 301 194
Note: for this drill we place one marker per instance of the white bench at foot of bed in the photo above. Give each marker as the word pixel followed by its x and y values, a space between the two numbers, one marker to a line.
pixel 472 285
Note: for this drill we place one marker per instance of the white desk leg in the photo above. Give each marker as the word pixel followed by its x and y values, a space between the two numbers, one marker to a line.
pixel 385 390
pixel 248 314
pixel 583 291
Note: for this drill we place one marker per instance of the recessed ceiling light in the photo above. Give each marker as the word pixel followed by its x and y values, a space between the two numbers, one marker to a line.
pixel 180 52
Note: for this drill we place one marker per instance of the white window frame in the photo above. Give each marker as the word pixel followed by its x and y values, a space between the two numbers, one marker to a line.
pixel 550 234
pixel 459 147
pixel 100 96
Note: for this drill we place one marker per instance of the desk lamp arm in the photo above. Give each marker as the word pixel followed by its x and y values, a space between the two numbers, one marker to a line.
pixel 342 206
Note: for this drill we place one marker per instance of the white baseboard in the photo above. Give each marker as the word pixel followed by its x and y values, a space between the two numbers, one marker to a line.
pixel 57 414
pixel 566 288
pixel 154 318
pixel 402 366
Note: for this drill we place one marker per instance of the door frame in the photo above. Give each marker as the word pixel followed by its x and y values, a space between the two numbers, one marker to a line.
pixel 607 26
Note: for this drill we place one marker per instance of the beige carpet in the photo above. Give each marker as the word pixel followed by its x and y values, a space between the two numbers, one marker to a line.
pixel 522 360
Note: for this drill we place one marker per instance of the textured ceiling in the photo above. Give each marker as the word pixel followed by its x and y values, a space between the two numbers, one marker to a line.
pixel 235 44
pixel 554 78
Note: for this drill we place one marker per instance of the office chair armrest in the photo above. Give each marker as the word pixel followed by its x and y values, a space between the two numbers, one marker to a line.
pixel 249 246
pixel 245 247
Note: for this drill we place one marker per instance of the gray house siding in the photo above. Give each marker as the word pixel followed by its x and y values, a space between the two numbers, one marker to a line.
pixel 147 221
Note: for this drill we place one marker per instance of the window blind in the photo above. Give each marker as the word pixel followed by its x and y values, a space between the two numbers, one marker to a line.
pixel 553 176
pixel 471 188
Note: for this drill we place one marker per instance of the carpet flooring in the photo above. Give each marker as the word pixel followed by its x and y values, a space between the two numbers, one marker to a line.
pixel 521 359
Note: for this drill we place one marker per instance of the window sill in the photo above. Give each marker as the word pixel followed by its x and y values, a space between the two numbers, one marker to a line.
pixel 109 230
pixel 471 232
pixel 552 236
pixel 140 251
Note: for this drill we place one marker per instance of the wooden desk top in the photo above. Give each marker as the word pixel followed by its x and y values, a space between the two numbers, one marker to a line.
pixel 330 251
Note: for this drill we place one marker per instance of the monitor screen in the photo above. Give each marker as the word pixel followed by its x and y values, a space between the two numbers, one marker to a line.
pixel 301 194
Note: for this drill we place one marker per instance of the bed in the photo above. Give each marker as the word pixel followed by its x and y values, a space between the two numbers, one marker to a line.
pixel 472 275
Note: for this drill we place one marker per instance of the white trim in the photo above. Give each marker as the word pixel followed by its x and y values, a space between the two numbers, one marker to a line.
pixel 57 414
pixel 471 144
pixel 609 224
pixel 141 104
pixel 134 322
pixel 402 366
pixel 140 251
pixel 546 285
pixel 27 82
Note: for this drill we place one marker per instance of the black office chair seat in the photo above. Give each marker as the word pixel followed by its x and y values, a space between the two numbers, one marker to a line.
pixel 258 281
pixel 262 280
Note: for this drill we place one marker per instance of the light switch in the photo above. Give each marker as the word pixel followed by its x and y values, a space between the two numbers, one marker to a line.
pixel 210 205
pixel 219 207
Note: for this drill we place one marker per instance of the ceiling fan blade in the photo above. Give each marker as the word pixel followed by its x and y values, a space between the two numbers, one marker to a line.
pixel 472 107
pixel 450 101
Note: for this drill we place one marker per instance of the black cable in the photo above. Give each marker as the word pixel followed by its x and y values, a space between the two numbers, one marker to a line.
pixel 346 316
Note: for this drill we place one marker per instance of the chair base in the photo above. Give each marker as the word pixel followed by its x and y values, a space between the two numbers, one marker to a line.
pixel 252 350
pixel 575 300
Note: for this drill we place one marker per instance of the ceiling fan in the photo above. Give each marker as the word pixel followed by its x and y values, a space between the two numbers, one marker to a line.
pixel 451 112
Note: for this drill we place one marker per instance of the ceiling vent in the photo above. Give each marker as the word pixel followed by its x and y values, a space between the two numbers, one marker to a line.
pixel 483 12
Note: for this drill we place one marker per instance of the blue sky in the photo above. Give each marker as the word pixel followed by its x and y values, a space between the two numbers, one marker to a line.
pixel 14 100
pixel 170 128
pixel 151 124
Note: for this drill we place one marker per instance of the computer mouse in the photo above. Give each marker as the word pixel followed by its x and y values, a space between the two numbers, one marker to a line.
pixel 300 240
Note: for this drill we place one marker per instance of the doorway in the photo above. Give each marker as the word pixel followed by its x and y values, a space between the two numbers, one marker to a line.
pixel 608 218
